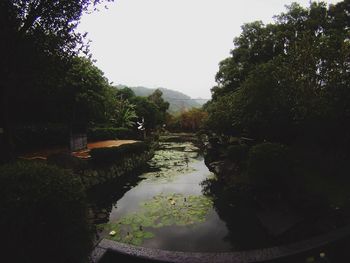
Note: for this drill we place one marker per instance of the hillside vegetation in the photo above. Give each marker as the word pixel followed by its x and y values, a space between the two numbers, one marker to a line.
pixel 177 100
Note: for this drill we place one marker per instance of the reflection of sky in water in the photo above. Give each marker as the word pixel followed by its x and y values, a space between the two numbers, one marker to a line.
pixel 207 236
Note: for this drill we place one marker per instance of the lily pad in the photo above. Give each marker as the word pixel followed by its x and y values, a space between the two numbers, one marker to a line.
pixel 159 212
pixel 172 161
pixel 148 235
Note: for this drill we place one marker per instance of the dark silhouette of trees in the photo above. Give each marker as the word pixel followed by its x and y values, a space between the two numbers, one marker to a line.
pixel 288 81
pixel 38 40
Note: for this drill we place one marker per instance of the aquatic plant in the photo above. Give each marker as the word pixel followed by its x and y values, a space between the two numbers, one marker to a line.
pixel 161 211
pixel 171 160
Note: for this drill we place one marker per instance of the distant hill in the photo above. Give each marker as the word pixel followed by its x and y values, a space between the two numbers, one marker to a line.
pixel 177 100
pixel 201 101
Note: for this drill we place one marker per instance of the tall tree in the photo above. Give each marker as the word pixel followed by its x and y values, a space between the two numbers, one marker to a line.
pixel 161 104
pixel 288 80
pixel 84 94
pixel 34 33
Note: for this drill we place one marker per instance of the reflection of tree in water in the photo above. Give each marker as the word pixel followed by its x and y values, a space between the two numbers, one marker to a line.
pixel 102 197
pixel 169 160
pixel 236 207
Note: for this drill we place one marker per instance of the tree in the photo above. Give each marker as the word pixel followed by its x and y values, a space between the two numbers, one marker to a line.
pixel 190 121
pixel 220 115
pixel 255 45
pixel 288 80
pixel 34 33
pixel 125 93
pixel 125 114
pixel 261 107
pixel 146 109
pixel 156 98
pixel 162 105
pixel 84 94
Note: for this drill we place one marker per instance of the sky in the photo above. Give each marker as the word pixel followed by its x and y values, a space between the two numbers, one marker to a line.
pixel 174 44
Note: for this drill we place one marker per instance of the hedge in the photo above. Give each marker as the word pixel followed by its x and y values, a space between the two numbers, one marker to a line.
pixel 116 154
pixel 269 164
pixel 238 153
pixel 97 134
pixel 34 136
pixel 42 215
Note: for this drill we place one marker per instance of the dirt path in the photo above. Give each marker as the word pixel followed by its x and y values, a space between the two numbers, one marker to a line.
pixel 101 144
pixel 44 153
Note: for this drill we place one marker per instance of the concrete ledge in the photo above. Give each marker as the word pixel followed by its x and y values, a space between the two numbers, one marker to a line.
pixel 249 256
pixel 97 254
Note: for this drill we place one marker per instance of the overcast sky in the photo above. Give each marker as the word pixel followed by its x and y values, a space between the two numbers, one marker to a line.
pixel 175 44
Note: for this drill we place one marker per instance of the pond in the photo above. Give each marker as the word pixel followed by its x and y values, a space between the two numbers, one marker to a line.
pixel 169 207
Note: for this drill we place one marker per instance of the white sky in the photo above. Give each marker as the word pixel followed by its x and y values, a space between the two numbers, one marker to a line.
pixel 175 44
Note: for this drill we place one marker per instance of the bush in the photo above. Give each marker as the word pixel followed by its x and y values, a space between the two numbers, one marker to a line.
pixel 269 164
pixel 34 136
pixel 238 153
pixel 67 161
pixel 42 214
pixel 97 134
pixel 117 154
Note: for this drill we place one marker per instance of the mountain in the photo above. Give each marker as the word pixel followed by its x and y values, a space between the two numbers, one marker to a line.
pixel 201 101
pixel 178 101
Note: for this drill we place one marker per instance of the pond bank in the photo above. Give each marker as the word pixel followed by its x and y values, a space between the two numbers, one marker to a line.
pixel 287 213
pixel 93 177
pixel 317 249
pixel 106 164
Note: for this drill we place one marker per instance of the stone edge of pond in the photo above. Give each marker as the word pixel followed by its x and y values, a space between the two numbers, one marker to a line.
pixel 95 176
pixel 249 256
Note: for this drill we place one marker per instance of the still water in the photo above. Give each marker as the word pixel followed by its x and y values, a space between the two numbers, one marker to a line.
pixel 168 203
pixel 177 204
pixel 167 207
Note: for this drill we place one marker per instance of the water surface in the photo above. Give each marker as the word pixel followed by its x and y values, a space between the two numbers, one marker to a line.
pixel 176 173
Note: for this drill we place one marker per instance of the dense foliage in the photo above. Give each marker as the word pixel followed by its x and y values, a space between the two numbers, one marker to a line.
pixel 46 82
pixel 38 41
pixel 288 81
pixel 238 153
pixel 27 137
pixel 178 101
pixel 285 91
pixel 152 109
pixel 189 121
pixel 269 165
pixel 42 215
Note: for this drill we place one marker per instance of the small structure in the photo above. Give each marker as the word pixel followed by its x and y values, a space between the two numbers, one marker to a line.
pixel 78 142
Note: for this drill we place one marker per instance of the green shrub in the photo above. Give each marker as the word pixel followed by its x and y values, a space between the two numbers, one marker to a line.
pixel 67 161
pixel 269 164
pixel 97 134
pixel 34 136
pixel 117 154
pixel 42 214
pixel 238 153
